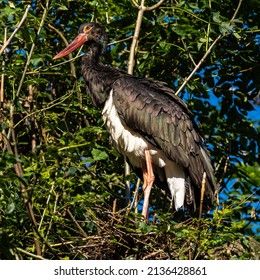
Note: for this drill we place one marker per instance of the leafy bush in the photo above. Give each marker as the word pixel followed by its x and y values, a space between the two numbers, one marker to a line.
pixel 61 183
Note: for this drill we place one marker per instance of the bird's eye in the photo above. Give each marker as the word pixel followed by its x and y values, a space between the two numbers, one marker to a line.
pixel 87 28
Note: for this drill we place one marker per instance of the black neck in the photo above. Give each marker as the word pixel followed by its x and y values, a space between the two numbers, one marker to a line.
pixel 98 77
pixel 93 54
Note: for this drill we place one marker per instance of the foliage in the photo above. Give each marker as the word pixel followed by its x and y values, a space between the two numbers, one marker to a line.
pixel 62 184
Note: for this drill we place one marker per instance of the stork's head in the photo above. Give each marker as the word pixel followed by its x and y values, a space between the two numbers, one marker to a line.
pixel 89 32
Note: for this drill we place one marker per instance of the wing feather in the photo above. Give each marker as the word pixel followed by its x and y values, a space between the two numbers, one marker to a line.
pixel 162 118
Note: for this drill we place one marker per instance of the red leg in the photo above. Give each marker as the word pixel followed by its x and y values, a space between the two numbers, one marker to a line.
pixel 148 177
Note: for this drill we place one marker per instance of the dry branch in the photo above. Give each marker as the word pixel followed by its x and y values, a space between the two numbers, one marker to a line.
pixel 198 65
pixel 32 48
pixel 207 53
pixel 15 31
pixel 72 66
pixel 3 75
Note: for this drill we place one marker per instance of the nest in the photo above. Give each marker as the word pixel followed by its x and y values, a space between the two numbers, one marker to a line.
pixel 128 236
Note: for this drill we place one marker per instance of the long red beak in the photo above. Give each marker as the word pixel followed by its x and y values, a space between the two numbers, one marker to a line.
pixel 76 43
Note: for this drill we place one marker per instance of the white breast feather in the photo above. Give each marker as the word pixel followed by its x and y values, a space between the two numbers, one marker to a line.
pixel 126 140
pixel 132 145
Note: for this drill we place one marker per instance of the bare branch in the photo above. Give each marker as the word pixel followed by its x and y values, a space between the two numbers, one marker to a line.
pixel 203 183
pixel 16 29
pixel 30 254
pixel 114 206
pixel 119 41
pixel 19 172
pixel 32 48
pixel 237 9
pixel 221 180
pixel 207 53
pixel 131 60
pixel 187 50
pixel 135 4
pixel 135 199
pixel 3 75
pixel 142 8
pixel 198 65
pixel 72 66
pixel 154 6
pixel 202 193
pixel 77 224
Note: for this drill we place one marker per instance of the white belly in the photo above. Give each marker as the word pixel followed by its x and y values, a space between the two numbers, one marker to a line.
pixel 132 145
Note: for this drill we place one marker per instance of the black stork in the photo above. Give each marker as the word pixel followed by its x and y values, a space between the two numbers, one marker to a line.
pixel 149 125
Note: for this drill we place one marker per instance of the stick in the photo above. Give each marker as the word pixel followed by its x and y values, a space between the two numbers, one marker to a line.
pixel 198 65
pixel 30 254
pixel 72 66
pixel 203 183
pixel 15 31
pixel 114 206
pixel 32 48
pixel 221 180
pixel 81 230
pixel 207 53
pixel 3 75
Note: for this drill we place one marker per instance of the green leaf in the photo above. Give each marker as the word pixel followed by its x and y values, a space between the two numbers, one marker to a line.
pixel 225 27
pixel 36 60
pixel 99 155
pixel 10 207
pixel 62 8
pixel 216 17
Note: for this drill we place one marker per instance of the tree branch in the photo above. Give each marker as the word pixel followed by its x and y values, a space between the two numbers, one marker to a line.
pixel 142 8
pixel 198 65
pixel 24 191
pixel 77 224
pixel 131 60
pixel 187 50
pixel 135 4
pixel 72 66
pixel 155 6
pixel 32 48
pixel 203 183
pixel 119 41
pixel 30 254
pixel 237 9
pixel 3 75
pixel 16 29
pixel 207 53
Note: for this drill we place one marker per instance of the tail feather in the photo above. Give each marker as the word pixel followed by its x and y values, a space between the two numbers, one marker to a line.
pixel 189 193
pixel 176 182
